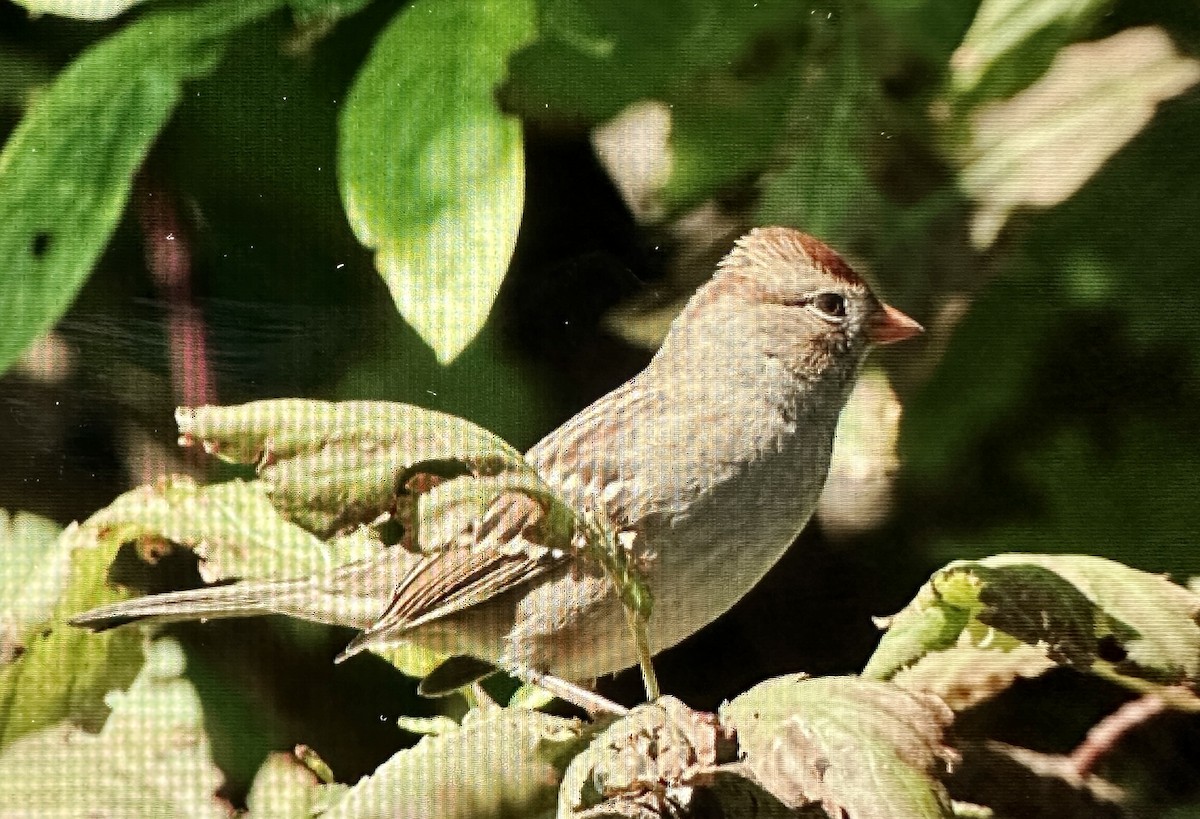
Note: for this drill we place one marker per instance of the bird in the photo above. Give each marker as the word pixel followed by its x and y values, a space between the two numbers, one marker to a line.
pixel 708 463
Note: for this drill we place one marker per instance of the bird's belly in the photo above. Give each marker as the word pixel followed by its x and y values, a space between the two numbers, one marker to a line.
pixel 702 564
pixel 711 559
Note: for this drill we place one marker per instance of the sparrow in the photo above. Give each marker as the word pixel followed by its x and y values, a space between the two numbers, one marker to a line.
pixel 709 463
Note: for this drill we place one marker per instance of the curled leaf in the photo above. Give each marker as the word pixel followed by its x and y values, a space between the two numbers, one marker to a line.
pixel 1089 613
pixel 329 466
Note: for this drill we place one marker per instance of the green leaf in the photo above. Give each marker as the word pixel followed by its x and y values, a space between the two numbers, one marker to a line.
pixel 232 527
pixel 151 758
pixel 328 465
pixel 431 173
pixel 1085 612
pixel 67 169
pixel 59 672
pixel 832 138
pixel 500 762
pixel 860 748
pixel 284 788
pixel 1039 147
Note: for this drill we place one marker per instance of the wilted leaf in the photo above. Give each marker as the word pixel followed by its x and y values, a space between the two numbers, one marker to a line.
pixel 151 758
pixel 1042 145
pixel 62 673
pixel 1085 612
pixel 498 763
pixel 330 465
pixel 657 755
pixel 861 748
pixel 432 174
pixel 66 171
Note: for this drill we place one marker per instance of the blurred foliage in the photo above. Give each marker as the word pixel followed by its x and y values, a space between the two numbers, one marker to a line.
pixel 206 201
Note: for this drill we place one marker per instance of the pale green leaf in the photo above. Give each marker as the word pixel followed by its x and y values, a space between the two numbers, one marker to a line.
pixel 1010 42
pixel 151 758
pixel 67 169
pixel 285 788
pixel 432 174
pixel 34 566
pixel 1039 147
pixel 79 9
pixel 233 528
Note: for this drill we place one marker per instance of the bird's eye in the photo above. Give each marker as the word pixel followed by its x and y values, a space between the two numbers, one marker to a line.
pixel 832 305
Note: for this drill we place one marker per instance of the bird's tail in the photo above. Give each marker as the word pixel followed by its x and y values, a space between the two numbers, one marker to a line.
pixel 241 599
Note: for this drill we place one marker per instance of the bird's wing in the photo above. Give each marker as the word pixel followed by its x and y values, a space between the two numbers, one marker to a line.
pixel 582 461
pixel 504 553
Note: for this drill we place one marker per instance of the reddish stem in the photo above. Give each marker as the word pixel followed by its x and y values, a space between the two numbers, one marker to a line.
pixel 168 258
pixel 1104 735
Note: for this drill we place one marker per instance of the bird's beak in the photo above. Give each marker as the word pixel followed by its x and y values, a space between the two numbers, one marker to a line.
pixel 890 326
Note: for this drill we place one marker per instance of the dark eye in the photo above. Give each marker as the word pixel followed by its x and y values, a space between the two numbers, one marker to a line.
pixel 832 305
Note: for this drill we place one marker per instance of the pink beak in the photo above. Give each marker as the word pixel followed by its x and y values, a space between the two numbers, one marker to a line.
pixel 890 326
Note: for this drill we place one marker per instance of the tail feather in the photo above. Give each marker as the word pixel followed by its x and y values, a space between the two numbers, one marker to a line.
pixel 242 599
pixel 239 599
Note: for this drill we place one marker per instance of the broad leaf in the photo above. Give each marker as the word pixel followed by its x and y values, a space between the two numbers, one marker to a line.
pixel 79 9
pixel 34 566
pixel 232 527
pixel 66 171
pixel 432 174
pixel 1011 42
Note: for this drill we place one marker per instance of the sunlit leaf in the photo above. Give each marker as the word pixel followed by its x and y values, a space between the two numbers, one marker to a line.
pixel 432 174
pixel 1010 43
pixel 34 566
pixel 329 465
pixel 1042 145
pixel 498 763
pixel 79 9
pixel 232 527
pixel 66 171
pixel 152 757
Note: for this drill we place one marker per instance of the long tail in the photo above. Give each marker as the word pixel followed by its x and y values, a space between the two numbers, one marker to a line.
pixel 305 598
